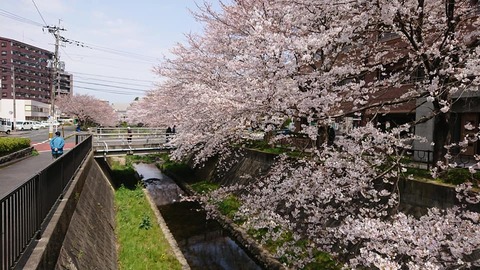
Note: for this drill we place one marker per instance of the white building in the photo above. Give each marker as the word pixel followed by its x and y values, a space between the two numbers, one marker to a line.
pixel 25 109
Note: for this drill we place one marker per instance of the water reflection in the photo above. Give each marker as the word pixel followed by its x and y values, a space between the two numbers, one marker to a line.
pixel 203 242
pixel 162 189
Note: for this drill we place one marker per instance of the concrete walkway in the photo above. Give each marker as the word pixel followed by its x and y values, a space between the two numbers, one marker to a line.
pixel 15 174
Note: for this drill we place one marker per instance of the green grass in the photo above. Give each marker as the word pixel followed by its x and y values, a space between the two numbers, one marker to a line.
pixel 142 244
pixel 204 187
pixel 322 260
pixel 180 169
pixel 123 175
pixel 151 158
pixel 229 206
pixel 453 176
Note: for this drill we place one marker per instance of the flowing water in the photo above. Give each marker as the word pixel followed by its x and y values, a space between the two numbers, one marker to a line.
pixel 202 241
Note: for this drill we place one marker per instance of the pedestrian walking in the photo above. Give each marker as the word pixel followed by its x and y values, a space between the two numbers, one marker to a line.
pixel 129 137
pixel 56 144
pixel 167 135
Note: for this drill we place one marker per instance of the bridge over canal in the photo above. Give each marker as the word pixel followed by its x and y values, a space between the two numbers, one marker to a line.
pixel 109 142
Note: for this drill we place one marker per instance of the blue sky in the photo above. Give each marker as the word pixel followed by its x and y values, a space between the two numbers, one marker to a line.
pixel 123 40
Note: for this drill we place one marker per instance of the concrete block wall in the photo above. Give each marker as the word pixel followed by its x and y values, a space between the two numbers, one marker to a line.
pixel 81 232
pixel 90 241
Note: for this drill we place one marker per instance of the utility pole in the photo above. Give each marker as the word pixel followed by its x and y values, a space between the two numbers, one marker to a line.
pixel 55 31
pixel 14 105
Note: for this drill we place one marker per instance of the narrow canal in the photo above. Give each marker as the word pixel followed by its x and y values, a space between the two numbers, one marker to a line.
pixel 202 241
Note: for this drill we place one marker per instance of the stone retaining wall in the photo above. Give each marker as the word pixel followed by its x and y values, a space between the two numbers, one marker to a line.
pixel 415 195
pixel 7 159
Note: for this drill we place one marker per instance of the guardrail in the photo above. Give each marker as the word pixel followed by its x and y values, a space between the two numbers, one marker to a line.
pixel 117 142
pixel 106 130
pixel 25 212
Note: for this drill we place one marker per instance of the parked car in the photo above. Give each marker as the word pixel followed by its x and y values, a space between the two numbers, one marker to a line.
pixel 36 125
pixel 24 125
pixel 47 123
pixel 5 125
pixel 43 124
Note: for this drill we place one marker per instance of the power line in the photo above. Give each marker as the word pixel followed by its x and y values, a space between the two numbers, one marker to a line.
pixel 18 18
pixel 101 80
pixel 39 13
pixel 121 78
pixel 109 85
pixel 109 91
pixel 138 57
pixel 81 56
pixel 147 58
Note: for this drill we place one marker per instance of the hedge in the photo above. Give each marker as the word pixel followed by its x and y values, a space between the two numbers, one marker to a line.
pixel 9 145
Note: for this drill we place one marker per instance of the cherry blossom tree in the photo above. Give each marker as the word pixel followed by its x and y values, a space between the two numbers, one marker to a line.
pixel 261 62
pixel 87 109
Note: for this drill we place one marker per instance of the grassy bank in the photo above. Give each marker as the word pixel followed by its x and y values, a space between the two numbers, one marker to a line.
pixel 142 244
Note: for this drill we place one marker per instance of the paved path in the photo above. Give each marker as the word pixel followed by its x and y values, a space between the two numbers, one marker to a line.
pixel 15 174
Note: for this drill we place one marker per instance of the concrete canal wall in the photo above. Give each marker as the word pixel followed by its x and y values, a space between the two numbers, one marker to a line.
pixel 80 234
pixel 415 195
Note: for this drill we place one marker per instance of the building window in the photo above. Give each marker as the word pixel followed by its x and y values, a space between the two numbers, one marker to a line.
pixel 417 75
pixel 4 44
pixel 4 52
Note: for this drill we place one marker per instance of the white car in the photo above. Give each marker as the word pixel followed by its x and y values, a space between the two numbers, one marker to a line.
pixel 47 123
pixel 24 125
pixel 43 124
pixel 36 125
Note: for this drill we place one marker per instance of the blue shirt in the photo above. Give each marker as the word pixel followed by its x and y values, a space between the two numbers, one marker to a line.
pixel 57 142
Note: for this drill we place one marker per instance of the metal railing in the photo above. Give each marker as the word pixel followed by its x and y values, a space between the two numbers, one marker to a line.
pixel 426 157
pixel 25 212
pixel 422 156
pixel 117 141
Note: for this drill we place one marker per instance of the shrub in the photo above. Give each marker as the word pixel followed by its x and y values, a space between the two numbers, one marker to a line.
pixel 457 176
pixel 9 145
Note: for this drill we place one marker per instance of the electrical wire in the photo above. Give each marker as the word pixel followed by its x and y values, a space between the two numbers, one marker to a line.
pixel 138 57
pixel 110 91
pixel 109 85
pixel 110 81
pixel 124 81
pixel 104 76
pixel 39 13
pixel 18 18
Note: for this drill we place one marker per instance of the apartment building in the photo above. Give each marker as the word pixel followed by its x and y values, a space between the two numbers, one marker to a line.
pixel 393 67
pixel 25 71
pixel 26 81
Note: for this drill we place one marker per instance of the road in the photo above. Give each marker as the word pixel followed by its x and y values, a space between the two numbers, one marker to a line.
pixel 39 138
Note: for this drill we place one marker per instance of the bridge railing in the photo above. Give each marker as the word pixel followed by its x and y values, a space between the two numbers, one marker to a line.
pixel 25 212
pixel 116 130
pixel 118 141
